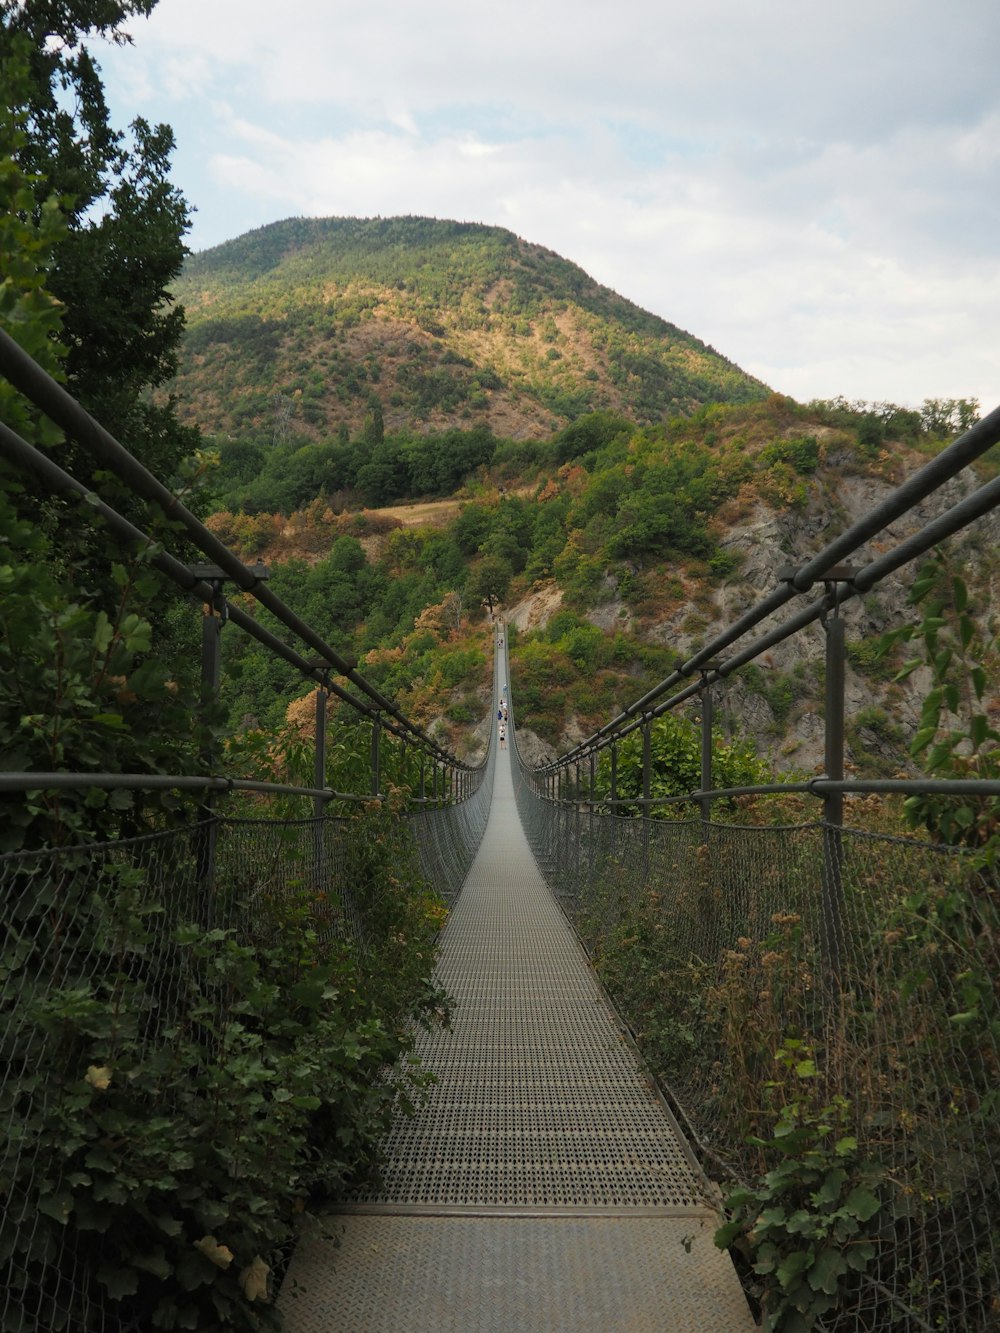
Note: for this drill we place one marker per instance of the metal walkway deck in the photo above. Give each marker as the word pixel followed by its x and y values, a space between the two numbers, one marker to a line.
pixel 545 1186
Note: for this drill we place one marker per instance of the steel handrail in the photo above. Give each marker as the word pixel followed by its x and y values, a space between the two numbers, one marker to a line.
pixel 968 447
pixel 168 782
pixel 811 787
pixel 59 405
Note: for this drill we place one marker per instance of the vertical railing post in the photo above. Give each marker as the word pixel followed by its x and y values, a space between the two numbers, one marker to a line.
pixel 376 774
pixel 319 782
pixel 613 829
pixel 833 802
pixel 707 722
pixel 214 618
pixel 563 858
pixel 832 904
pixel 423 762
pixel 647 789
pixel 578 822
pixel 591 851
pixel 211 672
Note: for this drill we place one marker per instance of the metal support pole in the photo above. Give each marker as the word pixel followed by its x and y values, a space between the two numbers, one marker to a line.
pixel 376 739
pixel 562 856
pixel 214 618
pixel 613 828
pixel 647 789
pixel 578 824
pixel 319 782
pixel 707 719
pixel 833 803
pixel 591 850
pixel 211 669
pixel 423 761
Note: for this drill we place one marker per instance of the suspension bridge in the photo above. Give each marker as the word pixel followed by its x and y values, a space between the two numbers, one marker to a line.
pixel 834 984
pixel 545 1185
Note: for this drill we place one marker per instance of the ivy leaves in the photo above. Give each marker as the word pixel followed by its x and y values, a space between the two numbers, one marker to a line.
pixel 807 1225
pixel 171 1112
pixel 956 737
pixel 81 691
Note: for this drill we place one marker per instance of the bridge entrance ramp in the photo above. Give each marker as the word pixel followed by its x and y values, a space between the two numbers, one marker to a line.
pixel 545 1185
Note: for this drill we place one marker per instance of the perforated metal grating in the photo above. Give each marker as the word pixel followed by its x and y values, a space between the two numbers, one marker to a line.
pixel 539 1100
pixel 580 1197
pixel 514 1275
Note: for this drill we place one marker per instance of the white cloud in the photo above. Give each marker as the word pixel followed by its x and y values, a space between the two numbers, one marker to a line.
pixel 811 190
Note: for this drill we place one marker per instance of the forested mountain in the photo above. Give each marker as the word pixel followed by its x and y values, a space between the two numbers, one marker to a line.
pixel 616 486
pixel 310 325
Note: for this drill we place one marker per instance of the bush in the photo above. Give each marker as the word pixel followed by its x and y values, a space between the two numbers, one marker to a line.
pixel 675 749
pixel 175 1091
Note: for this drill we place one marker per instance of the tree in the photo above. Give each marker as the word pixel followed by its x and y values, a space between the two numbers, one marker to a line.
pixel 123 242
pixel 948 416
pixel 29 234
pixel 373 429
pixel 81 686
pixel 488 581
pixel 675 753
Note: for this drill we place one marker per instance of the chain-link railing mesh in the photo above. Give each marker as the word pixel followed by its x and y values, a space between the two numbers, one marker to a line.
pixel 872 962
pixel 447 837
pixel 97 956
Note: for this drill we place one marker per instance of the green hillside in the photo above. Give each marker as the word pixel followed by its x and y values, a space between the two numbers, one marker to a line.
pixel 308 325
pixel 614 551
pixel 616 487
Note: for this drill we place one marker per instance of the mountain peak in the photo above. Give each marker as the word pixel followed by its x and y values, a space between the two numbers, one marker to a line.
pixel 440 323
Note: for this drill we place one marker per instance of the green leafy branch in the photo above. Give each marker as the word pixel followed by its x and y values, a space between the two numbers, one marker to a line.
pixel 806 1228
pixel 956 737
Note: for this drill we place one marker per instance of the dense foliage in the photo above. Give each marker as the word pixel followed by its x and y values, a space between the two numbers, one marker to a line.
pixel 182 1066
pixel 675 765
pixel 258 478
pixel 122 243
pixel 178 1083
pixel 606 512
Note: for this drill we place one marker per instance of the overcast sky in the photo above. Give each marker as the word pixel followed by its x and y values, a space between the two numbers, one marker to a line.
pixel 813 189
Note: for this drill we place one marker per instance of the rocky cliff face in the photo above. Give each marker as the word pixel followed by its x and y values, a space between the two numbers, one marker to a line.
pixel 778 699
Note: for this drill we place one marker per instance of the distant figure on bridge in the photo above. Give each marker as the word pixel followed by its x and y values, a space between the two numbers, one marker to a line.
pixel 503 737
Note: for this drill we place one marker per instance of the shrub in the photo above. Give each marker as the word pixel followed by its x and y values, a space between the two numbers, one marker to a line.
pixel 675 751
pixel 199 1081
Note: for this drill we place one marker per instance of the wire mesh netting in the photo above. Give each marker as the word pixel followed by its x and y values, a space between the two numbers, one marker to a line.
pixel 116 991
pixel 840 978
